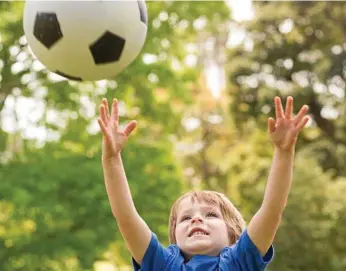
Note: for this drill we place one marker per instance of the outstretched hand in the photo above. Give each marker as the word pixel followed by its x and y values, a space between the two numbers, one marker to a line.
pixel 284 130
pixel 113 138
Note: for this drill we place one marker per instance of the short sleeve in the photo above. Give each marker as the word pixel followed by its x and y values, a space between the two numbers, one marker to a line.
pixel 154 258
pixel 248 256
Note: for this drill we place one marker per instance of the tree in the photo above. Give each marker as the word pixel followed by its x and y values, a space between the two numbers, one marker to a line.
pixel 55 211
pixel 295 48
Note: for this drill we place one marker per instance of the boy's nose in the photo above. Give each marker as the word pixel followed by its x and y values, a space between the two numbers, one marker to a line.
pixel 196 218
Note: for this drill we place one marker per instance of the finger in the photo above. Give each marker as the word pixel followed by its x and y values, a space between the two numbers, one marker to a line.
pixel 279 111
pixel 103 114
pixel 301 114
pixel 102 125
pixel 115 111
pixel 105 103
pixel 302 124
pixel 104 131
pixel 130 127
pixel 103 128
pixel 289 108
pixel 271 125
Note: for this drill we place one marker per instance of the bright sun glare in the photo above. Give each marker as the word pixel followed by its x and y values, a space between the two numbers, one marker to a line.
pixel 215 74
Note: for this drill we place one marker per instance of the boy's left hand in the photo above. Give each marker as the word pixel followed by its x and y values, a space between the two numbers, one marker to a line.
pixel 285 129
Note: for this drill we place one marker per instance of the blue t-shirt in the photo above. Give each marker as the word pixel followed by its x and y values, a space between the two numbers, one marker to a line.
pixel 243 256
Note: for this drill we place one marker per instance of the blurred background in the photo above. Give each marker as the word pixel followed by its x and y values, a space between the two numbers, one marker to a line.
pixel 201 90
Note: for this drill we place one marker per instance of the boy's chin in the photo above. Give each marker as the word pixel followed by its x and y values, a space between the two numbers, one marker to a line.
pixel 199 246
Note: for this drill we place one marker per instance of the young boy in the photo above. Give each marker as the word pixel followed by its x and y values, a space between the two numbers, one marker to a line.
pixel 206 230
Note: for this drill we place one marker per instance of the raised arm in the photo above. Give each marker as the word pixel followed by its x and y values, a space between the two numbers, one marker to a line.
pixel 283 132
pixel 134 230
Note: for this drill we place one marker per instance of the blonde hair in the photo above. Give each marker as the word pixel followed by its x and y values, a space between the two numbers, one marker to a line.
pixel 232 217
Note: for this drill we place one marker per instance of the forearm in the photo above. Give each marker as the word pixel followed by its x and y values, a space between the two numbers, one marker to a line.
pixel 279 182
pixel 117 188
pixel 265 223
pixel 133 228
pixel 284 133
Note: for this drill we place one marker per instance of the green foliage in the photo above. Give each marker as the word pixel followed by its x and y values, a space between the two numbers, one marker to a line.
pixel 56 214
pixel 308 222
pixel 297 49
pixel 311 222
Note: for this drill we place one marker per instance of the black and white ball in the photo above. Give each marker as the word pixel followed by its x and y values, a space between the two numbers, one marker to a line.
pixel 86 40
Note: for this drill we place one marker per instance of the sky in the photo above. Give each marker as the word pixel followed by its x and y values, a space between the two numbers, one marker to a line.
pixel 241 9
pixel 216 77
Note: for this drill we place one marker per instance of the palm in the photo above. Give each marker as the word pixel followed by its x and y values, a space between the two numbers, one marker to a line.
pixel 285 129
pixel 113 138
pixel 113 141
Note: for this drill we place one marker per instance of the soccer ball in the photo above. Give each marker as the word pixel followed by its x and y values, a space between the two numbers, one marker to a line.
pixel 85 40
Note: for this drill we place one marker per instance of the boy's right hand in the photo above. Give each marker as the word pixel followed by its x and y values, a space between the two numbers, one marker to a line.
pixel 135 231
pixel 113 138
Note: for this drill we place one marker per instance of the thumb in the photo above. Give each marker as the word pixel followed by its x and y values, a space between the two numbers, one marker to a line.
pixel 130 127
pixel 271 125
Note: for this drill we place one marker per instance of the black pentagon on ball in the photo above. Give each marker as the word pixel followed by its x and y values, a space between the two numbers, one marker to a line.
pixel 143 11
pixel 107 48
pixel 47 29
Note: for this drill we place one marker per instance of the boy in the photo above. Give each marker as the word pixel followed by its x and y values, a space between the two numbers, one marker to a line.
pixel 206 230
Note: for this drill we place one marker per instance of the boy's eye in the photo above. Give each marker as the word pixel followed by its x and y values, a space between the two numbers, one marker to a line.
pixel 212 214
pixel 185 218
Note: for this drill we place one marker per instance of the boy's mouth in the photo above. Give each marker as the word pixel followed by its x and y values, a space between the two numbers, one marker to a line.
pixel 197 231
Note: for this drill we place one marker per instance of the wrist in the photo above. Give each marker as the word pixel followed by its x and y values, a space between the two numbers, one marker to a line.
pixel 286 152
pixel 113 159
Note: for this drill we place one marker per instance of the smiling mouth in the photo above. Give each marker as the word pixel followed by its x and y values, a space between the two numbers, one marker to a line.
pixel 197 232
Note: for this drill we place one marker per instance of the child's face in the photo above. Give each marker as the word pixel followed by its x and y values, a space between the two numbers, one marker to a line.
pixel 211 234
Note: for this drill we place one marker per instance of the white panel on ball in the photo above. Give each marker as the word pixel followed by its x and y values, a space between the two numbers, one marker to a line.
pixel 60 33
